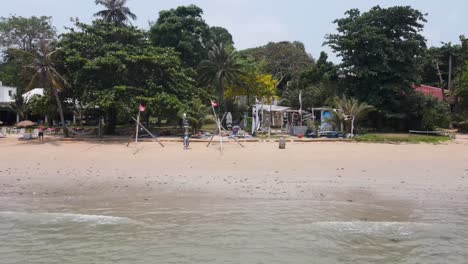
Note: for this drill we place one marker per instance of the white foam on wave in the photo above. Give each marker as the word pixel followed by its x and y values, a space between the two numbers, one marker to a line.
pixel 67 217
pixel 365 227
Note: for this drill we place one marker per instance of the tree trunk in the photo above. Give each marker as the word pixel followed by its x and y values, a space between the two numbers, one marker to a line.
pixel 221 89
pixel 60 109
pixel 111 122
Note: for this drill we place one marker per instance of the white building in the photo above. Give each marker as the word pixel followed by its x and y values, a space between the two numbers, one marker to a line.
pixel 6 97
pixel 6 94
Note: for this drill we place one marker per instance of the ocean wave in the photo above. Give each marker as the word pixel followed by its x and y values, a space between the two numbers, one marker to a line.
pixel 367 227
pixel 45 218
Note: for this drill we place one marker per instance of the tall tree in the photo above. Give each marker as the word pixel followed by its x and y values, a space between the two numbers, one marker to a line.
pixel 220 68
pixel 284 60
pixel 184 29
pixel 381 51
pixel 220 35
pixel 115 12
pixel 44 72
pixel 436 65
pixel 462 89
pixel 25 33
pixel 125 69
pixel 252 85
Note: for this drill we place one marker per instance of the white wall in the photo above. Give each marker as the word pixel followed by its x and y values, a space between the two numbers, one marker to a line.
pixel 5 94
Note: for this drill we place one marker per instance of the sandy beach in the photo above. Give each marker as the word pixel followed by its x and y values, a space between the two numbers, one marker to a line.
pixel 353 172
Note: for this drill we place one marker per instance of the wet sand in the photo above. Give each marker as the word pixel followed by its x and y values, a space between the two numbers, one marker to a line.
pixel 402 175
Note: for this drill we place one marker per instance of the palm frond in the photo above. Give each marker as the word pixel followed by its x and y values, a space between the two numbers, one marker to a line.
pixel 115 11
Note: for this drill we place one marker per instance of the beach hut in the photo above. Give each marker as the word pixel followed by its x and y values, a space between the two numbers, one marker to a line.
pixel 267 116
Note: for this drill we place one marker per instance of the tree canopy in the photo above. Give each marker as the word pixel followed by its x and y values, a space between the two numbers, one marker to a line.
pixel 184 29
pixel 219 69
pixel 284 60
pixel 117 67
pixel 382 50
pixel 25 33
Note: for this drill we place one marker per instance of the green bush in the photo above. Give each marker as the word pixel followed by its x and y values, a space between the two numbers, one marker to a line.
pixel 428 113
pixel 463 127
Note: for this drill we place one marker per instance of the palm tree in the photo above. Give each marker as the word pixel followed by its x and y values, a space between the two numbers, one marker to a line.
pixel 349 108
pixel 19 106
pixel 44 72
pixel 198 114
pixel 220 68
pixel 115 12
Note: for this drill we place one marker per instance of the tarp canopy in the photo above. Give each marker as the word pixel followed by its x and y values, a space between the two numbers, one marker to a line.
pixel 36 91
pixel 273 108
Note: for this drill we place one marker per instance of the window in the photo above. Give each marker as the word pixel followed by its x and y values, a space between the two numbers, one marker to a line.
pixel 10 93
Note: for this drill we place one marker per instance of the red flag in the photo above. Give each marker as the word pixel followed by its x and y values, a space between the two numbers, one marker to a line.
pixel 214 104
pixel 141 108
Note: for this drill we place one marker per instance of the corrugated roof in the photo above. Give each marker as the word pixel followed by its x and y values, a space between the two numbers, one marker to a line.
pixel 430 91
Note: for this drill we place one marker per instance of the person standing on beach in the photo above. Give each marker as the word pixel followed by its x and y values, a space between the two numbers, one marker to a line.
pixel 41 133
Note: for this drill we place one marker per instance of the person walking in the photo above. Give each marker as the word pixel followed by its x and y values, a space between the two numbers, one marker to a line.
pixel 41 130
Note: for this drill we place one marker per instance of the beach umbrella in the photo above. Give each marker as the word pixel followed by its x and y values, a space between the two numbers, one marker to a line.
pixel 25 123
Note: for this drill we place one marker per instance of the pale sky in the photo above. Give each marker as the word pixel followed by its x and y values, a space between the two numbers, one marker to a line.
pixel 256 22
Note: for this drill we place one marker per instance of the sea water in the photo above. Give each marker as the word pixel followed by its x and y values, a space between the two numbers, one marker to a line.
pixel 193 230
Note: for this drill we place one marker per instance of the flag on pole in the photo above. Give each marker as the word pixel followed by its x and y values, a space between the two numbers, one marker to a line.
pixel 141 108
pixel 214 104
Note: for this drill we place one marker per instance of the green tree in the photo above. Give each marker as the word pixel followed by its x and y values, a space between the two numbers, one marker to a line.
pixel 198 114
pixel 39 105
pixel 117 68
pixel 19 106
pixel 318 95
pixel 318 84
pixel 427 113
pixel 284 60
pixel 381 50
pixel 44 73
pixel 435 70
pixel 219 69
pixel 252 85
pixel 220 35
pixel 25 33
pixel 462 93
pixel 184 29
pixel 320 71
pixel 115 12
pixel 349 108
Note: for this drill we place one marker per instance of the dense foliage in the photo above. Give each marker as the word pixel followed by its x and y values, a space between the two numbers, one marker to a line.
pixel 108 67
pixel 116 68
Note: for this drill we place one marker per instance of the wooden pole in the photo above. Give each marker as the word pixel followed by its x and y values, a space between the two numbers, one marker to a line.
pixel 218 123
pixel 137 126
pixel 271 118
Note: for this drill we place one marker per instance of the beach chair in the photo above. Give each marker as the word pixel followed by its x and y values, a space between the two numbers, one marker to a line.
pixel 3 132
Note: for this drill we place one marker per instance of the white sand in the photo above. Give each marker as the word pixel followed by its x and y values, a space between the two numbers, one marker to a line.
pixel 353 172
